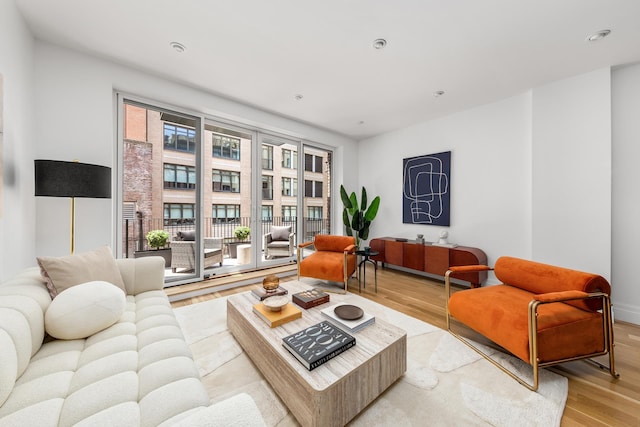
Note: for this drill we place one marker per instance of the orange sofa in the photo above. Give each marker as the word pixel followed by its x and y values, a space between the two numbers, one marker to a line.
pixel 541 313
pixel 334 258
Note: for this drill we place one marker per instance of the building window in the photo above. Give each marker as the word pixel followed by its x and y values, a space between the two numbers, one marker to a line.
pixel 312 188
pixel 178 213
pixel 267 187
pixel 267 157
pixel 314 212
pixel 289 186
pixel 226 181
pixel 312 163
pixel 223 214
pixel 289 213
pixel 226 147
pixel 179 138
pixel 179 176
pixel 289 159
pixel 267 213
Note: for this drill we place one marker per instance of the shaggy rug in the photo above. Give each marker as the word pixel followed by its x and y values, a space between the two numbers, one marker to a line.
pixel 446 383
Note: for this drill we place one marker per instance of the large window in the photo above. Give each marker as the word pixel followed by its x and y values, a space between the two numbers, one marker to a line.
pixel 312 188
pixel 267 213
pixel 222 214
pixel 226 147
pixel 289 186
pixel 226 181
pixel 312 163
pixel 289 213
pixel 178 213
pixel 314 212
pixel 267 187
pixel 267 157
pixel 179 138
pixel 289 159
pixel 179 176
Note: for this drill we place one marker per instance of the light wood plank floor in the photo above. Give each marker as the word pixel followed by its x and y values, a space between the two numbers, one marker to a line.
pixel 595 398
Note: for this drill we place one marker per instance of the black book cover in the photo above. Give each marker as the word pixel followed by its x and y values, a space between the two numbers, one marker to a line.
pixel 318 344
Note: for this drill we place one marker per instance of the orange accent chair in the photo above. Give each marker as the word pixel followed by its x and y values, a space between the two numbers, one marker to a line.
pixel 542 314
pixel 334 258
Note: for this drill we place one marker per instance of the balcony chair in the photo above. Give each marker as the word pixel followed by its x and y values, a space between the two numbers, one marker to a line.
pixel 183 251
pixel 334 258
pixel 279 242
pixel 542 314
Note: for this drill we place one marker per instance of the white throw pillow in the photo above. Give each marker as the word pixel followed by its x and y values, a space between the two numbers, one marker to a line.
pixel 82 310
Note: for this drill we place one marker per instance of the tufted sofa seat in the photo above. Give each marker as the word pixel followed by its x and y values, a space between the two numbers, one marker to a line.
pixel 137 372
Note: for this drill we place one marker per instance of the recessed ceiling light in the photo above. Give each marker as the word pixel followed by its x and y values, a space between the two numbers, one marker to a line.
pixel 598 36
pixel 178 47
pixel 299 97
pixel 379 43
pixel 438 93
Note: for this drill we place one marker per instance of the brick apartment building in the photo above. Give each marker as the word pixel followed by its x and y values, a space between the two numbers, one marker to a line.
pixel 159 179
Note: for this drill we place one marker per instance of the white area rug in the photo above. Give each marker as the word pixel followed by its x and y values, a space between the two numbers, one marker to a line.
pixel 446 383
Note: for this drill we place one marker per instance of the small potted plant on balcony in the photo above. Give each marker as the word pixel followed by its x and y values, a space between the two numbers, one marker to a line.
pixel 241 233
pixel 157 240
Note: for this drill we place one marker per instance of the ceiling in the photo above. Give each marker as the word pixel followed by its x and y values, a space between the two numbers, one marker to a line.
pixel 265 52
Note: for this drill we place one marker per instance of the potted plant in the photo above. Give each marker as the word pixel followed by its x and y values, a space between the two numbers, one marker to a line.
pixel 357 218
pixel 157 240
pixel 241 233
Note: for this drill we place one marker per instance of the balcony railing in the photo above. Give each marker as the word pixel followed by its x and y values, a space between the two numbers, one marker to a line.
pixel 134 231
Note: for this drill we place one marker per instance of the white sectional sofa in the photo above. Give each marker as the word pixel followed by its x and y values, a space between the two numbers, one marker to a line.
pixel 138 371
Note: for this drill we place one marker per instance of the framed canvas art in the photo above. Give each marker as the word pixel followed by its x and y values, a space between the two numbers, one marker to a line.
pixel 427 190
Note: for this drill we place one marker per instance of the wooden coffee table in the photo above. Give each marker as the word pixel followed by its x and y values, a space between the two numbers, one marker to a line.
pixel 334 393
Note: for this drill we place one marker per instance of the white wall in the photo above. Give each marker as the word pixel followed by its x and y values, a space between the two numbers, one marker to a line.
pixel 572 173
pixel 17 219
pixel 75 116
pixel 490 176
pixel 626 200
pixel 532 177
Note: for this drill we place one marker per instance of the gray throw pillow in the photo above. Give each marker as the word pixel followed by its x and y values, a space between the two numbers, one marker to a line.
pixel 280 232
pixel 188 236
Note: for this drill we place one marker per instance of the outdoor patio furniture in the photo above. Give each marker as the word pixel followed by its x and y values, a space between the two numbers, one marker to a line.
pixel 183 253
pixel 279 242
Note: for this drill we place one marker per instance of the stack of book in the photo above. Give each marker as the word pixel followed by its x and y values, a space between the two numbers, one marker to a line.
pixel 310 298
pixel 348 325
pixel 261 293
pixel 276 318
pixel 318 344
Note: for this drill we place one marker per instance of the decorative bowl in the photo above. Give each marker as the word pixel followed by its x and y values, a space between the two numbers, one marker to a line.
pixel 275 303
pixel 271 283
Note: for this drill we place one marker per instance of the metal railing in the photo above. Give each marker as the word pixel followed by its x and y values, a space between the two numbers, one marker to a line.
pixel 135 231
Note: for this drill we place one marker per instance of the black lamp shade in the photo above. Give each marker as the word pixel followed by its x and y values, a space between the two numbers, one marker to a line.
pixel 72 179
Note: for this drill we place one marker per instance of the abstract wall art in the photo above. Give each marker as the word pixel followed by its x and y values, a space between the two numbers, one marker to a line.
pixel 427 189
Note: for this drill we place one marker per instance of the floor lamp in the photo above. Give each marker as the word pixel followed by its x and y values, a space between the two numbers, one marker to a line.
pixel 72 179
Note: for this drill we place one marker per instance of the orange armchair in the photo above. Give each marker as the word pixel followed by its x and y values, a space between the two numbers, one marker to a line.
pixel 542 314
pixel 334 258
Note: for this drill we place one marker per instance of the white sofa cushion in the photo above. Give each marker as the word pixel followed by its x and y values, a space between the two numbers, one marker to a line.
pixel 83 310
pixel 61 273
pixel 8 365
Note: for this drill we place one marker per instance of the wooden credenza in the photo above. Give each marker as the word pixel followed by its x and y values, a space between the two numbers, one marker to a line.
pixel 428 258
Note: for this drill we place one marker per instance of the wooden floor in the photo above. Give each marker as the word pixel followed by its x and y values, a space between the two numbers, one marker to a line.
pixel 595 398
